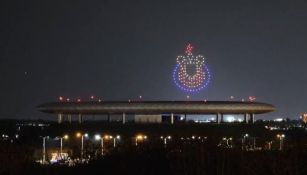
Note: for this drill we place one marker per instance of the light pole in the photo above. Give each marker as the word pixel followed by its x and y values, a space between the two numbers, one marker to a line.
pixel 105 138
pixel 65 137
pixel 227 141
pixel 98 137
pixel 243 141
pixel 44 150
pixel 165 139
pixel 114 140
pixel 281 138
pixel 270 145
pixel 140 137
pixel 61 147
pixel 82 142
pixel 101 143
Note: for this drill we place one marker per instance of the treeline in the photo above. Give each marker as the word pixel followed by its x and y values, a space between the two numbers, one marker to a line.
pixel 191 159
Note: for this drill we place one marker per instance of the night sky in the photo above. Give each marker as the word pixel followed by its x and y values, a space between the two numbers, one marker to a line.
pixel 119 50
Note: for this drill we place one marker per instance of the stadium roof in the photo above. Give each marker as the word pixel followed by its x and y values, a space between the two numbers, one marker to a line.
pixel 156 107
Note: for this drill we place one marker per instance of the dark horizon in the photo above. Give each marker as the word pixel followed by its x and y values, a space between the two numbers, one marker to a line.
pixel 118 50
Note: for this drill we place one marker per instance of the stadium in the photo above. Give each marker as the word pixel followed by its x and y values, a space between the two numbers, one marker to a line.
pixel 157 111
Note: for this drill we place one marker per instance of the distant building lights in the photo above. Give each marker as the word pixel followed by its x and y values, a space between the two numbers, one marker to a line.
pixel 303 117
pixel 278 120
pixel 230 119
pixel 252 98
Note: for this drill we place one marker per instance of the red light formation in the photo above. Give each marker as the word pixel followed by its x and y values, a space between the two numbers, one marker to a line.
pixel 189 49
pixel 252 98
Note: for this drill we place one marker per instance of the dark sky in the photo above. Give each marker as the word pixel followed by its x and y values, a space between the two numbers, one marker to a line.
pixel 118 50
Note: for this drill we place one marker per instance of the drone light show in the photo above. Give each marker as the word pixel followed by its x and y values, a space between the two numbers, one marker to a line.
pixel 191 74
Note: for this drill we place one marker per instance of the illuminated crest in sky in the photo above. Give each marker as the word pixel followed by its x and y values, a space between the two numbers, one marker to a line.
pixel 191 74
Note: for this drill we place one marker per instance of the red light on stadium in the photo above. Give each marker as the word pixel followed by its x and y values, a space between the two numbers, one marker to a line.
pixel 92 97
pixel 78 100
pixel 60 98
pixel 252 98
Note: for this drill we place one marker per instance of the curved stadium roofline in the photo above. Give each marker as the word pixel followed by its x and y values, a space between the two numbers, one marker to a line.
pixel 157 107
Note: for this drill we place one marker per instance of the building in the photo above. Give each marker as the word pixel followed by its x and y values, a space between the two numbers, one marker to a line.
pixel 152 111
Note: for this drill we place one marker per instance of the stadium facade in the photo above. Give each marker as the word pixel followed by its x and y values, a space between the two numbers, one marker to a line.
pixel 153 110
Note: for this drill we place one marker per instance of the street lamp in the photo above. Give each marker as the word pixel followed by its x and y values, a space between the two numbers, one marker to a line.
pixel 98 137
pixel 281 138
pixel 270 145
pixel 65 137
pixel 243 140
pixel 227 141
pixel 44 149
pixel 78 135
pixel 114 140
pixel 106 138
pixel 140 137
pixel 165 139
